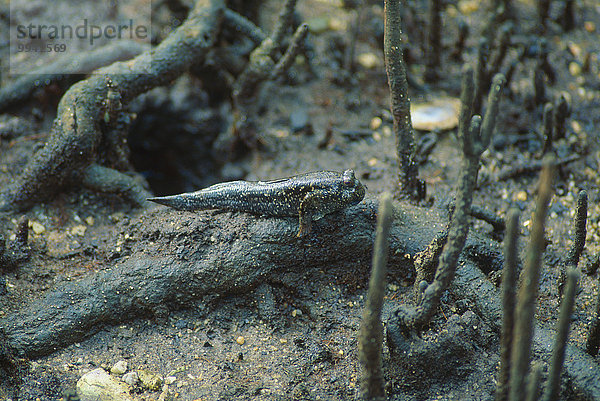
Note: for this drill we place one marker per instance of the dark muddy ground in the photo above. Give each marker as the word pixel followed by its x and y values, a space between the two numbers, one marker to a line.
pixel 292 334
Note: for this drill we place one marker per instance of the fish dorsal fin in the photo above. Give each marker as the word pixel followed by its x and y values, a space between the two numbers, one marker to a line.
pixel 272 181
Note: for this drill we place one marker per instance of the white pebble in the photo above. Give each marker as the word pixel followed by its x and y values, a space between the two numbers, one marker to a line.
pixel 119 368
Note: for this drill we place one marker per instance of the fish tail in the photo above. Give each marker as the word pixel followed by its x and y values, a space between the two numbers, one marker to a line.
pixel 186 201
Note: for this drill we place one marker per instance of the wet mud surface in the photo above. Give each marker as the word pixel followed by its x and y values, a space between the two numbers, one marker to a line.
pixel 225 305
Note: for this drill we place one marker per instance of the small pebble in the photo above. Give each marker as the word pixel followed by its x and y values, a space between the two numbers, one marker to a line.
pixel 165 395
pixel 89 220
pixel 318 25
pixel 37 228
pixel 78 230
pixel 336 24
pixel 589 26
pixel 574 68
pixel 451 11
pixel 150 380
pixel 131 378
pixel 576 126
pixel 375 123
pixel 119 368
pixel 372 162
pixel 368 60
pixel 468 6
pixel 170 380
pixel 240 340
pixel 439 114
pixel 296 312
pixel 99 385
pixel 569 198
pixel 575 49
pixel 522 196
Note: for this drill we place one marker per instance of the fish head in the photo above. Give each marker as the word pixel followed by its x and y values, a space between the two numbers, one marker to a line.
pixel 353 190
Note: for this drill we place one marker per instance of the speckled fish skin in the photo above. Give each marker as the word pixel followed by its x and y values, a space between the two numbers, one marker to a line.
pixel 309 196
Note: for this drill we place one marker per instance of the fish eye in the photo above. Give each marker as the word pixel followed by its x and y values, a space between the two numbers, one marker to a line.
pixel 348 178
